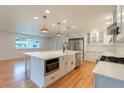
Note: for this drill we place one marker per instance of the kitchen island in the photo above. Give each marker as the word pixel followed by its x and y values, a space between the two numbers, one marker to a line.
pixel 48 66
pixel 109 75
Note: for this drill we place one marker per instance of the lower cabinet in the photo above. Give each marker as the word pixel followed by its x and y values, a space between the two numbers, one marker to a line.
pixel 62 65
pixel 92 55
pixel 71 62
pixel 66 64
pixel 107 82
pixel 51 78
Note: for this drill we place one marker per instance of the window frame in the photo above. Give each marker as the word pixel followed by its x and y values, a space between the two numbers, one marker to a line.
pixel 36 39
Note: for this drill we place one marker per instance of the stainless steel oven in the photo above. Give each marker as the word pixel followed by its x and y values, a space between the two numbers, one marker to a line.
pixel 51 66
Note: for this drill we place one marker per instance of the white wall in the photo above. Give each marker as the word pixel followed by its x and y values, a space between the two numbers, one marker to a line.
pixel 57 42
pixel 101 48
pixel 7 45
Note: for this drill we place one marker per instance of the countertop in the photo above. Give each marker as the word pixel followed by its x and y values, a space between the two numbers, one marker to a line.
pixel 46 55
pixel 112 70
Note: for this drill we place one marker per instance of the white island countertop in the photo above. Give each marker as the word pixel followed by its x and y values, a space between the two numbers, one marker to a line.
pixel 46 55
pixel 112 70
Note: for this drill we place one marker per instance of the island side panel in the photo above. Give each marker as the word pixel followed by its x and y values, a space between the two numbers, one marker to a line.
pixel 37 71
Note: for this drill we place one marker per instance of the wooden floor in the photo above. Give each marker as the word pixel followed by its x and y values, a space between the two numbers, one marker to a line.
pixel 12 75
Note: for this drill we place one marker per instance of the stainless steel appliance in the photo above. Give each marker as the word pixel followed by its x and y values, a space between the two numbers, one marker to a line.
pixel 78 59
pixel 51 66
pixel 77 44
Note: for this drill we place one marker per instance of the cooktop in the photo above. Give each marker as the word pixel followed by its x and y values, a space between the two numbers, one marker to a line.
pixel 113 59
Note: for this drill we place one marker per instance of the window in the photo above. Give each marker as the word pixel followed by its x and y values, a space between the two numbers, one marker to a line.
pixel 24 42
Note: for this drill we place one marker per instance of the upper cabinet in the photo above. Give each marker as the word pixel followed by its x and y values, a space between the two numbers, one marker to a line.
pixel 99 38
pixel 107 38
pixel 120 22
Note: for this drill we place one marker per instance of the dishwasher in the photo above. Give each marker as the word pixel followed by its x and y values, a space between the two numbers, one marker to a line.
pixel 78 59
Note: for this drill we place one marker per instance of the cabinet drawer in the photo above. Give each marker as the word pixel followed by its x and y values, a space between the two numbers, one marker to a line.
pixel 71 57
pixel 51 78
pixel 63 58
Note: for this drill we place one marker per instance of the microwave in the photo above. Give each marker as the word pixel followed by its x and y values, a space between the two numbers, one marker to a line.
pixel 51 65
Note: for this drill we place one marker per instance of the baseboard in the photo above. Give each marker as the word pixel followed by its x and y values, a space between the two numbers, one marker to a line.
pixel 13 58
pixel 89 60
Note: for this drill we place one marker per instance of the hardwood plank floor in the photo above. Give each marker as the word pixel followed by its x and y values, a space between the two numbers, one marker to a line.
pixel 79 78
pixel 12 75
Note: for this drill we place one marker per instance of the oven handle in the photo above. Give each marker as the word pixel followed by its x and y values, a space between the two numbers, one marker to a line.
pixel 52 63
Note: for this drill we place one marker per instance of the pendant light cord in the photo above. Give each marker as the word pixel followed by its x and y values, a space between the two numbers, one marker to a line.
pixel 58 27
pixel 44 20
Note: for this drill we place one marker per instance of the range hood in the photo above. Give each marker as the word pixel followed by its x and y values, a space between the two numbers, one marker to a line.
pixel 113 29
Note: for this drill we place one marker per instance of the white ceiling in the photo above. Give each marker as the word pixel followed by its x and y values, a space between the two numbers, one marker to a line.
pixel 86 18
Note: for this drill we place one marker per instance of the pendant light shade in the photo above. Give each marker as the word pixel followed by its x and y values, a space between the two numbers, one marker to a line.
pixel 44 29
pixel 58 33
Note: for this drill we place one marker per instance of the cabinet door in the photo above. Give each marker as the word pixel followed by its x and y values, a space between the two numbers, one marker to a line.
pixel 122 14
pixel 88 38
pixel 94 37
pixel 101 37
pixel 119 16
pixel 62 65
pixel 70 63
pixel 120 22
pixel 51 78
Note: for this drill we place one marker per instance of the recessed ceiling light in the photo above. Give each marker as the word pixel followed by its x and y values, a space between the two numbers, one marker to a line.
pixel 53 24
pixel 47 11
pixel 73 26
pixel 108 17
pixel 64 21
pixel 36 17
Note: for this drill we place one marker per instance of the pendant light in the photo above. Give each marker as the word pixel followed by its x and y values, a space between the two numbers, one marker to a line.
pixel 58 33
pixel 44 29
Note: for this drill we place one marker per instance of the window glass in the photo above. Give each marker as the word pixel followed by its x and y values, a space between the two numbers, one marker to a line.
pixel 24 42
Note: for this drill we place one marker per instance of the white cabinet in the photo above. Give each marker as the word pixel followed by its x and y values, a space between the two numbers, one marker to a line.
pixel 62 65
pixel 99 38
pixel 107 82
pixel 71 62
pixel 92 55
pixel 120 22
pixel 67 63
pixel 51 78
pixel 95 37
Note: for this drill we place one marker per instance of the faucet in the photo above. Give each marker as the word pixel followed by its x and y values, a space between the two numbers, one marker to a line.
pixel 65 47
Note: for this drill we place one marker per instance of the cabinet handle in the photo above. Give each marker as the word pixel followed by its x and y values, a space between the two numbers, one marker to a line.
pixel 52 77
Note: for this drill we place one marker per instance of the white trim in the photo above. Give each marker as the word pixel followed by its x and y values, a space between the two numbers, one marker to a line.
pixel 12 58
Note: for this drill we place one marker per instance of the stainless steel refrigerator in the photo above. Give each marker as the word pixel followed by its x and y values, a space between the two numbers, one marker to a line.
pixel 77 44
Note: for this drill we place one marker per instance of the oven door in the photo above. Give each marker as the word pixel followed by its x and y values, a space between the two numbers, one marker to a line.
pixel 51 66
